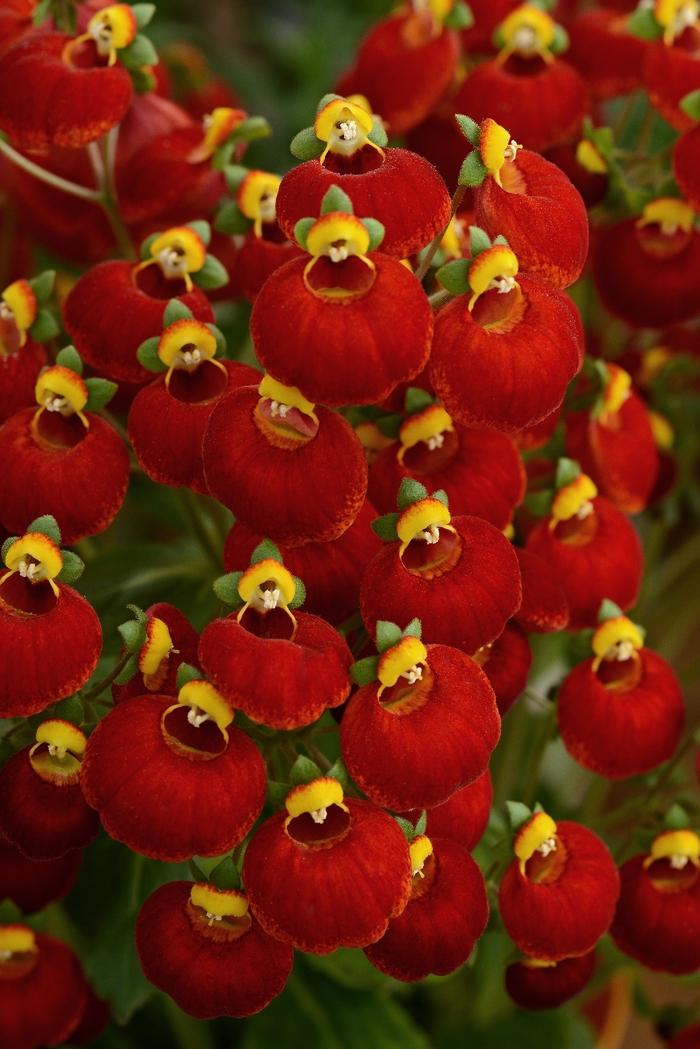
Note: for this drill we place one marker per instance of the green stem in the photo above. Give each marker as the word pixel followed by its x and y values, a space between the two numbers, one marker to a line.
pixel 317 755
pixel 98 689
pixel 195 519
pixel 535 768
pixel 29 166
pixel 440 298
pixel 436 241
pixel 102 157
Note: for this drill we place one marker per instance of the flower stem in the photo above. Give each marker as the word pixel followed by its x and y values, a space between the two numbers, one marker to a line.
pixel 29 166
pixel 199 527
pixel 98 689
pixel 436 241
pixel 440 298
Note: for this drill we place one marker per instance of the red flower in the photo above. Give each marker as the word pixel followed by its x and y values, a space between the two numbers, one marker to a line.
pixel 671 71
pixel 533 984
pixel 658 915
pixel 543 609
pixel 506 663
pixel 608 57
pixel 557 898
pixel 206 950
pixel 21 358
pixel 445 915
pixel 172 640
pixel 171 783
pixel 42 808
pixel 32 885
pixel 328 872
pixel 689 1038
pixel 463 817
pixel 265 247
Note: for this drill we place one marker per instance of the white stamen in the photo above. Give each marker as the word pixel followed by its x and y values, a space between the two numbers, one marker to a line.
pixel 502 284
pixel 57 752
pixel 585 510
pixel 319 815
pixel 267 207
pixel 213 917
pixel 668 228
pixel 197 717
pixel 173 262
pixel 419 870
pixel 435 442
pixel 678 862
pixel 27 571
pixel 5 311
pixel 550 845
pixel 413 674
pixel 269 598
pixel 685 17
pixel 5 955
pixel 525 40
pixel 191 356
pixel 511 150
pixel 276 408
pixel 338 252
pixel 54 403
pixel 347 129
pixel 431 535
pixel 622 651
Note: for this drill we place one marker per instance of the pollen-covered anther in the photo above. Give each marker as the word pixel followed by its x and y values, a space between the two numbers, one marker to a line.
pixel 423 520
pixel 277 408
pixel 550 845
pixel 511 150
pixel 495 268
pixel 61 390
pixel 573 500
pixel 344 126
pixel 36 558
pixel 319 815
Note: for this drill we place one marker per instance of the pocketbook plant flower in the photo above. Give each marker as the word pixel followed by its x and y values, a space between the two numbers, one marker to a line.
pixel 535 984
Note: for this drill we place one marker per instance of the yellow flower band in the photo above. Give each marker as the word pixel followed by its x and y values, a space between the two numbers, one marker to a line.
pixel 219 903
pixel 62 736
pixel 536 836
pixel 679 846
pixel 257 195
pixel 428 426
pixel 403 660
pixel 16 939
pixel 452 239
pixel 285 397
pixel 670 213
pixel 157 646
pixel 59 389
pixel 662 430
pixel 419 849
pixel 529 31
pixel 616 639
pixel 19 304
pixel 344 126
pixel 206 705
pixel 590 159
pixel 675 16
pixel 494 268
pixel 179 252
pixel 315 798
pixel 36 558
pixel 217 127
pixel 186 344
pixel 616 391
pixel 573 500
pixel 496 147
pixel 422 520
pixel 266 585
pixel 112 28
pixel 59 762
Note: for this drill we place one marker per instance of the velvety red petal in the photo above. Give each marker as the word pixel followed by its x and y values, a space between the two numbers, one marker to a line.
pixel 31 884
pixel 608 57
pixel 549 987
pixel 19 370
pixel 508 665
pixel 464 817
pixel 669 74
pixel 544 609
pixel 185 641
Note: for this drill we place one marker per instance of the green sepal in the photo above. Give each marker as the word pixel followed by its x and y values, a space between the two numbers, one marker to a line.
pixel 70 709
pixel 234 175
pixel 100 393
pixel 378 136
pixel 642 23
pixel 442 497
pixel 42 285
pixel 539 503
pixel 69 357
pixel 473 170
pixel 176 311
pixel 410 492
pixel 299 594
pixel 385 527
pixel 304 771
pixel 460 17
pixel 305 145
pixel 7 544
pixel 41 11
pixel 414 629
pixel 518 814
pixel 454 276
pixel 73 567
pixel 376 232
pixel 147 355
pixel 537 807
pixel 469 128
pixel 501 240
pixel 45 327
pixel 417 400
pixel 561 41
pixel 301 231
pixel 602 138
pixel 133 635
pixel 250 130
pixel 142 80
pixel 202 228
pixel 226 589
pixel 145 249
pixel 388 635
pixel 220 339
pixel 138 614
pixel 422 823
pixel 196 871
pixel 130 670
pixel 330 97
pixel 676 818
pixel 143 13
pixel 212 275
pixel 264 551
pixel 389 425
pixel 277 792
pixel 230 219
pixel 608 610
pixel 47 525
pixel 335 199
pixel 225 875
pixel 544 5
pixel 139 53
pixel 690 104
pixel 186 672
pixel 365 671
pixel 339 772
pixel 567 472
pixel 479 241
pixel 407 827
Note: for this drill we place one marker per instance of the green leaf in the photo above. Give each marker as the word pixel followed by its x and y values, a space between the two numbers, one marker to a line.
pixel 561 41
pixel 203 230
pixel 473 170
pixel 234 175
pixel 140 52
pixel 304 770
pixel 44 327
pixel 479 241
pixel 129 671
pixel 334 199
pixel 176 311
pixel 145 250
pixel 376 232
pixel 389 425
pixel 348 968
pixel 469 128
pixel 518 814
pixel 48 526
pixel 301 231
pixel 133 635
pixel 539 503
pixel 186 672
pixel 422 823
pixel 364 672
pixel 251 130
pixel 608 610
pixel 7 544
pixel 454 276
pixel 212 275
pixel 299 594
pixel 460 17
pixel 410 492
pixel 388 635
pixel 277 792
pixel 690 104
pixel 113 967
pixel 69 709
pixel 442 497
pixel 676 818
pixel 69 357
pixel 385 527
pixel 230 219
pixel 305 145
pixel 407 827
pixel 42 285
pixel 414 629
pixel 339 772
pixel 265 551
pixel 100 393
pixel 642 23
pixel 567 472
pixel 73 567
pixel 147 355
pixel 417 400
pixel 143 13
pixel 225 875
pixel 378 136
pixel 226 589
